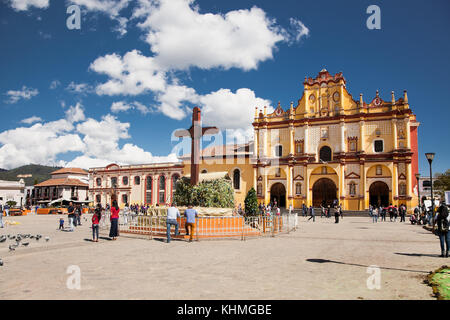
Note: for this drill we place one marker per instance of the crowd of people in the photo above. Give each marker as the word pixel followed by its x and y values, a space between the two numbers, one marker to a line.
pixel 393 211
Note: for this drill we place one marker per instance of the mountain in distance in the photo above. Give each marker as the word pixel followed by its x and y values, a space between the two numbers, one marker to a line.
pixel 29 173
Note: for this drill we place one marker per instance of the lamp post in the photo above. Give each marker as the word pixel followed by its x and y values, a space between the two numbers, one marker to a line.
pixel 418 190
pixel 430 157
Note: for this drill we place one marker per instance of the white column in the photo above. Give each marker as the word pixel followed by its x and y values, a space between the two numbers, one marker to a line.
pixel 306 140
pixel 408 133
pixel 342 136
pixel 394 133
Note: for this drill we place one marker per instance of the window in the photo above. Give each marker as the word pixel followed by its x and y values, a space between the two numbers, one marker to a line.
pixel 402 189
pixel 352 188
pixel 278 151
pixel 98 198
pixel 113 182
pixel 298 188
pixel 125 198
pixel 378 145
pixel 175 178
pixel 379 171
pixel 278 172
pixel 137 180
pixel 125 181
pixel 325 153
pixel 352 145
pixel 162 189
pixel 259 189
pixel 324 133
pixel 148 192
pixel 299 147
pixel 236 179
pixel 426 183
pixel 324 170
pixel 98 181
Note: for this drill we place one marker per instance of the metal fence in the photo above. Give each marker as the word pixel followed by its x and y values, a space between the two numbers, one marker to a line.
pixel 206 227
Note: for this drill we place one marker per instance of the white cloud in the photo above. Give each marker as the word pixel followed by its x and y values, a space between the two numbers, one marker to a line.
pixel 131 75
pixel 75 113
pixel 55 84
pixel 229 110
pixel 23 5
pixel 31 120
pixel 300 30
pixel 120 106
pixel 182 37
pixel 40 143
pixel 110 7
pixel 82 88
pixel 24 93
pixel 172 98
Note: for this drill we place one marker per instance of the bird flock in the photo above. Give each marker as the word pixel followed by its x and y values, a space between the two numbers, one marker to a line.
pixel 20 239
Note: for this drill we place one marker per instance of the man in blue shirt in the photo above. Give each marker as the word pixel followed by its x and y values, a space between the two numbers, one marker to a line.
pixel 172 215
pixel 190 221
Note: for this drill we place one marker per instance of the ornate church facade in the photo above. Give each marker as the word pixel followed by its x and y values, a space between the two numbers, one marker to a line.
pixel 328 147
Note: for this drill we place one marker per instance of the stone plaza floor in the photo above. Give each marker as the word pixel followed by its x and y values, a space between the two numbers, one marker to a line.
pixel 321 260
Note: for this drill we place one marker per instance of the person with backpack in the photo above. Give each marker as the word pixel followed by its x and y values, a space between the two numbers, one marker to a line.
pixel 71 215
pixel 442 228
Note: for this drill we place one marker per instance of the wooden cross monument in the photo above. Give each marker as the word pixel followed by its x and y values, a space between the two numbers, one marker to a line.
pixel 196 131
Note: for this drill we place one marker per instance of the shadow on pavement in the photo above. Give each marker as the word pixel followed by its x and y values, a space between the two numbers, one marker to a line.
pixel 417 254
pixel 361 265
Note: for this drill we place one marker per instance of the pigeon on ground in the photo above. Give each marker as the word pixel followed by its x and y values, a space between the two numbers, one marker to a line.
pixel 1 262
pixel 12 247
pixel 3 239
pixel 31 237
pixel 25 243
pixel 47 238
pixel 11 237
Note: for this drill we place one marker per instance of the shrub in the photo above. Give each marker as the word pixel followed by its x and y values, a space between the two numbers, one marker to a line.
pixel 251 202
pixel 217 193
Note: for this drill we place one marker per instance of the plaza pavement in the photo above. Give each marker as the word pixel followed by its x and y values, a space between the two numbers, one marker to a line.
pixel 321 260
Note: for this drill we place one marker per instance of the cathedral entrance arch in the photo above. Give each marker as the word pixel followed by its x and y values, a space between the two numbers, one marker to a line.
pixel 278 194
pixel 324 192
pixel 379 194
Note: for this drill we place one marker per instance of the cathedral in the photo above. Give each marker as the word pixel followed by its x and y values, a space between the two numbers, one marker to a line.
pixel 328 147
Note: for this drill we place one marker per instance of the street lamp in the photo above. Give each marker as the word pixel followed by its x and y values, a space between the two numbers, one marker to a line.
pixel 430 157
pixel 418 189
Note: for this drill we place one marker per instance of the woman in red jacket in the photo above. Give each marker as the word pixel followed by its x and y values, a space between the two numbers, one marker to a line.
pixel 96 221
pixel 114 231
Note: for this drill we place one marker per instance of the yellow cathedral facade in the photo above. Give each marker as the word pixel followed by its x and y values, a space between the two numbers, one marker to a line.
pixel 327 148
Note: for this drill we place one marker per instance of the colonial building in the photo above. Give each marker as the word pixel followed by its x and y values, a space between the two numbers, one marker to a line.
pixel 331 146
pixel 12 191
pixel 327 147
pixel 150 184
pixel 66 184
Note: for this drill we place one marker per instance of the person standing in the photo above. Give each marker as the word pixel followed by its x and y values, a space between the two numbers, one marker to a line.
pixel 311 212
pixel 382 213
pixel 304 210
pixel 443 228
pixel 1 216
pixel 126 212
pixel 341 211
pixel 6 207
pixel 71 215
pixel 336 215
pixel 172 214
pixel 114 231
pixel 395 210
pixel 96 217
pixel 374 215
pixel 78 214
pixel 190 214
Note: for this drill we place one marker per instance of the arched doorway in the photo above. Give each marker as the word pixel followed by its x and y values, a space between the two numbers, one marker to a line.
pixel 379 194
pixel 324 192
pixel 278 193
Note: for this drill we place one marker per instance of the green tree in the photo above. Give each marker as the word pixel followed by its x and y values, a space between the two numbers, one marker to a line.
pixel 442 182
pixel 251 202
pixel 11 203
pixel 217 193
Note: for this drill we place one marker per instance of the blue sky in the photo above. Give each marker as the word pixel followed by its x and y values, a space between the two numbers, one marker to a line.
pixel 285 41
